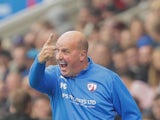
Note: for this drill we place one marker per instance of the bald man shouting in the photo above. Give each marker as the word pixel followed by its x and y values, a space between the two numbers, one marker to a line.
pixel 78 88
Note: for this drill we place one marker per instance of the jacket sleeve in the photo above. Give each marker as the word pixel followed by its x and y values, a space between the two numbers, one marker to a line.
pixel 42 78
pixel 123 102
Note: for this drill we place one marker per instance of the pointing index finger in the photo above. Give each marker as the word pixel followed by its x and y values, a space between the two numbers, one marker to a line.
pixel 49 40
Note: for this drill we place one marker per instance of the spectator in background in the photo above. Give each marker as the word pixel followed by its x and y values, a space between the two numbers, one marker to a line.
pixel 34 33
pixel 3 99
pixel 37 111
pixel 156 107
pixel 30 56
pixel 83 20
pixel 25 86
pixel 156 31
pixel 106 33
pixel 100 48
pixel 152 27
pixel 5 58
pixel 19 106
pixel 110 32
pixel 40 103
pixel 29 39
pixel 131 56
pixel 41 38
pixel 13 82
pixel 18 62
pixel 145 48
pixel 17 40
pixel 118 27
pixel 95 18
pixel 154 71
pixel 137 29
pixel 119 60
pixel 139 90
pixel 125 39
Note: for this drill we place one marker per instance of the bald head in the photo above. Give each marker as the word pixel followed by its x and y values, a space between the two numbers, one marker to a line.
pixel 74 37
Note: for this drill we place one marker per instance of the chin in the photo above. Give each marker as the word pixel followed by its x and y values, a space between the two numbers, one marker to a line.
pixel 64 74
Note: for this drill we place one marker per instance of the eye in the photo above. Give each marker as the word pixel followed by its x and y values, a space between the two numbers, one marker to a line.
pixel 66 51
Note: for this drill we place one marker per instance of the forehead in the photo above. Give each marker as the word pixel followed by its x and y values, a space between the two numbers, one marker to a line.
pixel 64 44
pixel 67 42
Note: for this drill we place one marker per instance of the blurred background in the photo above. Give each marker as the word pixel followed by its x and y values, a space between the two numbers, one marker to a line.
pixel 123 35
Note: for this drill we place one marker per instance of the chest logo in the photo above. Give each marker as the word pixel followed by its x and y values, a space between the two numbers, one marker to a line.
pixel 92 86
pixel 63 85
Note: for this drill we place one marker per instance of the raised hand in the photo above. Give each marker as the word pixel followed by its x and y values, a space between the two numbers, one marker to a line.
pixel 47 51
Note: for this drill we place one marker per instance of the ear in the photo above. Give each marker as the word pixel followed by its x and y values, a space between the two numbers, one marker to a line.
pixel 83 55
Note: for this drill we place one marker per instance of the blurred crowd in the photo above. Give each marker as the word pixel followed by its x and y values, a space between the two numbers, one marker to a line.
pixel 131 49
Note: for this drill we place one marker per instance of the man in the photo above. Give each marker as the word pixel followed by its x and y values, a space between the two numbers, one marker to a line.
pixel 78 88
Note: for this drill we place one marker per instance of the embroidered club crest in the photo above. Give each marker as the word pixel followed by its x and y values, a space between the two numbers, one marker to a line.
pixel 92 87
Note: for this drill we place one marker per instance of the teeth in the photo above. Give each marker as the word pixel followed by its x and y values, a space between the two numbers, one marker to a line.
pixel 62 63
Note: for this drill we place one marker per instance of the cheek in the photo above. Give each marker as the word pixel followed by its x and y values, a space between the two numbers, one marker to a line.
pixel 73 60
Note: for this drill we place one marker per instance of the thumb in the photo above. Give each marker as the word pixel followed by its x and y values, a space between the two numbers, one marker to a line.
pixel 49 40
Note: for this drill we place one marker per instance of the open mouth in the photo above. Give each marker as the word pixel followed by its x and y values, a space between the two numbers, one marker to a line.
pixel 63 65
